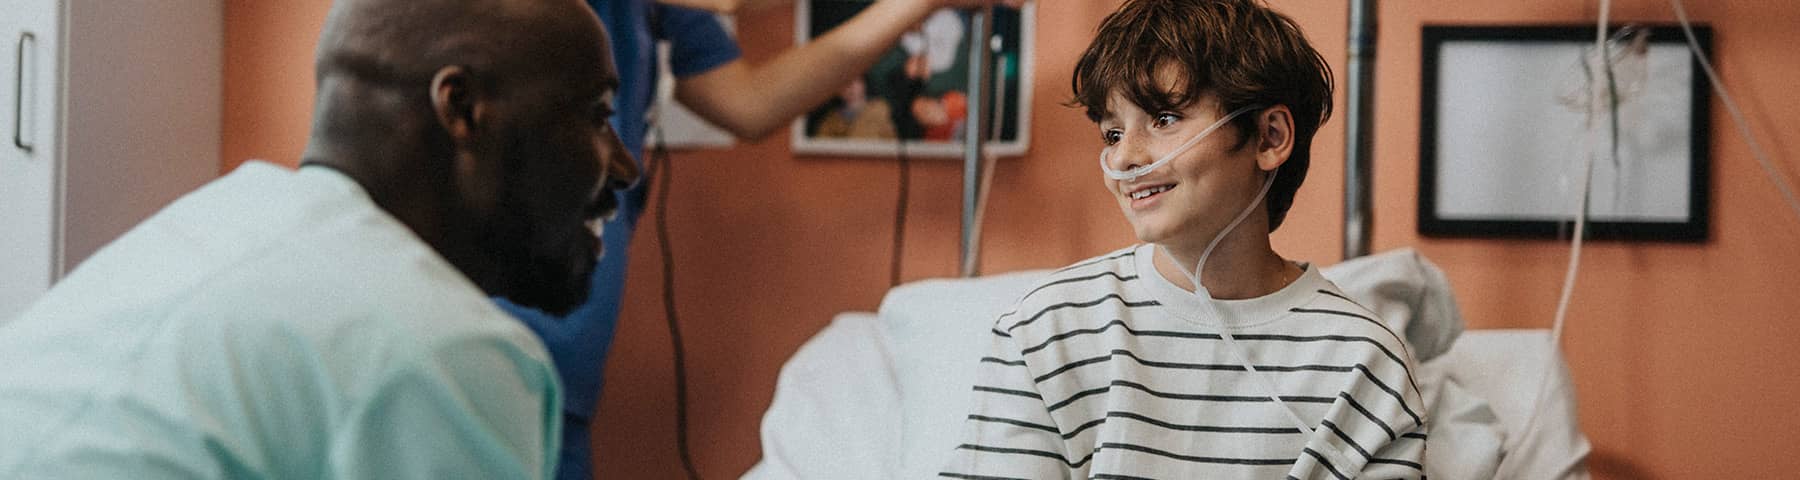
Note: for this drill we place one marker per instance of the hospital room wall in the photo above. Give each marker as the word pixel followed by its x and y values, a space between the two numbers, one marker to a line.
pixel 1680 352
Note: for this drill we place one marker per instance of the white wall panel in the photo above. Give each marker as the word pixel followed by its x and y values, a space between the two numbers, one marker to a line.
pixel 120 111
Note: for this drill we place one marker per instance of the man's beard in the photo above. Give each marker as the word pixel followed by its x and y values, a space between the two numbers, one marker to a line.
pixel 545 269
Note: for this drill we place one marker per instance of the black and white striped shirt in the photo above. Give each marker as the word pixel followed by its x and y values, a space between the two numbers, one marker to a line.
pixel 1109 371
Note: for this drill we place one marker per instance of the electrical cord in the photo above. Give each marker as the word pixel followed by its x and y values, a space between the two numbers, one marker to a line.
pixel 1600 89
pixel 900 213
pixel 1737 116
pixel 1611 107
pixel 661 172
pixel 988 159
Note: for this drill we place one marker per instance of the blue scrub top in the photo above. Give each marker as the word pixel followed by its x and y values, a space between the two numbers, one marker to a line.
pixel 579 342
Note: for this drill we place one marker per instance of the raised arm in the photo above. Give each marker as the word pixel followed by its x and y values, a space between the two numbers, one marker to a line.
pixel 752 101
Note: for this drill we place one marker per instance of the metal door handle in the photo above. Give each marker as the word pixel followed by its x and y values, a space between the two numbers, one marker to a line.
pixel 19 95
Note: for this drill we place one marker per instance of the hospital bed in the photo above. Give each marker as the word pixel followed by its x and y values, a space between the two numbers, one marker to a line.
pixel 882 395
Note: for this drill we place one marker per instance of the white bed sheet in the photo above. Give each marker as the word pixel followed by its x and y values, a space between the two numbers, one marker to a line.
pixel 881 396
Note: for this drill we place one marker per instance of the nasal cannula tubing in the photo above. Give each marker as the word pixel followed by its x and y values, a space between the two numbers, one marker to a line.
pixel 1206 297
pixel 1194 275
pixel 1136 172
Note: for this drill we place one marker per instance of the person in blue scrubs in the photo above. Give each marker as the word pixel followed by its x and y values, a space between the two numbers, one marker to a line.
pixel 712 79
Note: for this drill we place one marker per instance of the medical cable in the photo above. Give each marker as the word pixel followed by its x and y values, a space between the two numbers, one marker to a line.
pixel 1738 119
pixel 1273 390
pixel 660 170
pixel 1737 116
pixel 981 199
pixel 900 212
pixel 988 160
pixel 1134 173
pixel 1603 53
pixel 1243 358
pixel 1199 267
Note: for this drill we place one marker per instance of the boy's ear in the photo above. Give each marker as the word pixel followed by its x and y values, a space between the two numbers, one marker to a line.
pixel 1275 137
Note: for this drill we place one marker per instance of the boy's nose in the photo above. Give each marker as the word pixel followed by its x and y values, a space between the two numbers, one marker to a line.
pixel 1126 155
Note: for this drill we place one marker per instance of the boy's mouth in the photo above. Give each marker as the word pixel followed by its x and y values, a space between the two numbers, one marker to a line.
pixel 1148 191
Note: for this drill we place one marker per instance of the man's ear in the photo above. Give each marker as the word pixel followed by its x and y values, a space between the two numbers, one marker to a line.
pixel 456 104
pixel 461 109
pixel 1275 137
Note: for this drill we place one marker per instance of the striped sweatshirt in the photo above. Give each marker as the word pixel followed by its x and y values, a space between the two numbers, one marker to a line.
pixel 1107 370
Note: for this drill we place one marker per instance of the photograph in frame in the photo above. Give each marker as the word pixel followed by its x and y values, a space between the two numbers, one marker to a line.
pixel 1505 132
pixel 916 95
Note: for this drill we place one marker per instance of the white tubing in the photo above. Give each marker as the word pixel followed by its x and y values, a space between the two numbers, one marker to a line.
pixel 1134 173
pixel 1737 117
pixel 1595 108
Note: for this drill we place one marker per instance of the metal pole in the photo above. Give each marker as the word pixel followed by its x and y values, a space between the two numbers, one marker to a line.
pixel 1359 129
pixel 974 136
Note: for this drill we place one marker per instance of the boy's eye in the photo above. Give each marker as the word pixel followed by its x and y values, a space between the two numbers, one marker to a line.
pixel 1165 119
pixel 1111 136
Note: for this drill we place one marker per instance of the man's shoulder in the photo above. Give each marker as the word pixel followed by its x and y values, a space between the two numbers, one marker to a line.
pixel 360 274
pixel 347 267
pixel 367 319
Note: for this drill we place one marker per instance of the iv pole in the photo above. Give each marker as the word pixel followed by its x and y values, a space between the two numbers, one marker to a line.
pixel 1359 128
pixel 974 134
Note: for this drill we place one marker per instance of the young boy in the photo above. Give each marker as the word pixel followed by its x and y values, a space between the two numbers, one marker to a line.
pixel 1201 353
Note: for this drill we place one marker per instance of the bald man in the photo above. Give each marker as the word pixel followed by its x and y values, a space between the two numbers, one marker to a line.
pixel 334 322
pixel 751 100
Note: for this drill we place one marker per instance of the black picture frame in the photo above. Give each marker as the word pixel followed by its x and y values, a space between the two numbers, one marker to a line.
pixel 1494 151
pixel 884 122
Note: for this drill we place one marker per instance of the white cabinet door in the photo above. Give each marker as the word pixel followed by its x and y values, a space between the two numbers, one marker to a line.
pixel 30 111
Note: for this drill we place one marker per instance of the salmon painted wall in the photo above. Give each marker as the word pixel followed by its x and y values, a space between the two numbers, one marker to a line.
pixel 1682 354
pixel 269 79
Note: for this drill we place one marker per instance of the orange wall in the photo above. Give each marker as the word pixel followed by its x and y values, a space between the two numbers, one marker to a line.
pixel 269 79
pixel 1679 352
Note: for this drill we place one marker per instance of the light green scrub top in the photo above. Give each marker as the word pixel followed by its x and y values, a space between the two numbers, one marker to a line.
pixel 273 324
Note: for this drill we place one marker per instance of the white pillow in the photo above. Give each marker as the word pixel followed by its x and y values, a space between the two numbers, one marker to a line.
pixel 1409 293
pixel 938 329
pixel 1506 368
pixel 836 411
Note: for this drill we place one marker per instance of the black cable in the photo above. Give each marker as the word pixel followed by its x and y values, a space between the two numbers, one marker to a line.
pixel 900 215
pixel 661 172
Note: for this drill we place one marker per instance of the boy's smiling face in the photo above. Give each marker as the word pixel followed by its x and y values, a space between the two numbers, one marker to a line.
pixel 1188 201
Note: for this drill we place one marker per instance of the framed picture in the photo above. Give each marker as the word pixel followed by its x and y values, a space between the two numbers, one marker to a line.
pixel 916 96
pixel 1505 132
